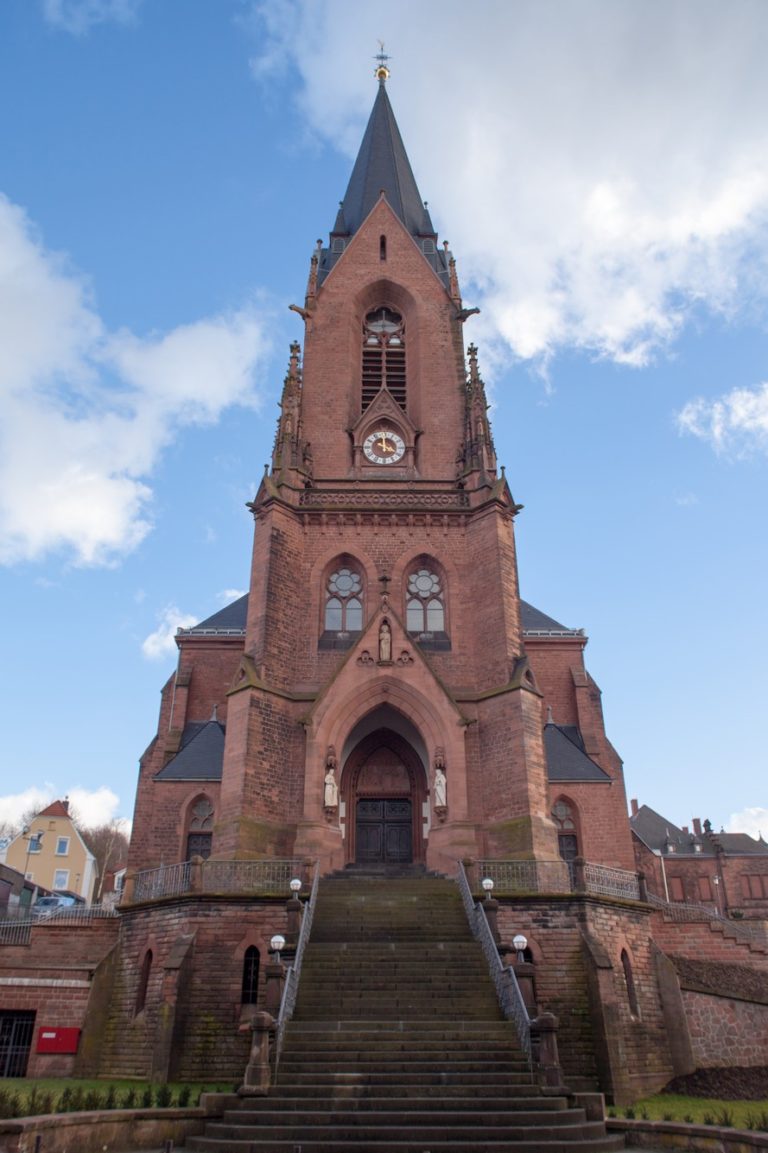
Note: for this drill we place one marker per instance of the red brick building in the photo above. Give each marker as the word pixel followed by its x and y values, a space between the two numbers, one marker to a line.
pixel 382 697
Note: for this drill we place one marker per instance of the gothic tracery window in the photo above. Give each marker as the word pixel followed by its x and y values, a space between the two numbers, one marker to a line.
pixel 425 602
pixel 200 829
pixel 383 355
pixel 344 601
pixel 567 834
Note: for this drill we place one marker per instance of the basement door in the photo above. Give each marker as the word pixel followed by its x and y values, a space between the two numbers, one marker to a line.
pixel 384 830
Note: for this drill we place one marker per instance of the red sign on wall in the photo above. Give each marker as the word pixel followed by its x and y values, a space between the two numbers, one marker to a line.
pixel 53 1039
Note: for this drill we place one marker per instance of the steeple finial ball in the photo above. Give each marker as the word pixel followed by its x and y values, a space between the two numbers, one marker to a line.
pixel 381 72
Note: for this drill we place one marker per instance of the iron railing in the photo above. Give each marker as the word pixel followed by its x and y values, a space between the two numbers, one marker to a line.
pixel 291 987
pixel 526 876
pixel 610 882
pixel 266 877
pixel 18 931
pixel 684 911
pixel 504 978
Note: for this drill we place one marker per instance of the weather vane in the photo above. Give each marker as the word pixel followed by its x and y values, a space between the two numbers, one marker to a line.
pixel 382 72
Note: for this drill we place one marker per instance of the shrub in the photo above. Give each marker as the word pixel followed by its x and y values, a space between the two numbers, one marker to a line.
pixel 708 1119
pixel 725 1118
pixel 163 1096
pixel 629 1113
pixel 667 1117
pixel 688 1119
pixel 129 1099
pixel 184 1094
pixel 147 1098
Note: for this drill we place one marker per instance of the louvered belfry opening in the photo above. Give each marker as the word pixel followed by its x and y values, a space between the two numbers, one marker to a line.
pixel 383 355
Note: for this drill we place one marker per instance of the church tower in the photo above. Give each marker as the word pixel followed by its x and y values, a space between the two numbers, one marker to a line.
pixel 381 696
pixel 384 710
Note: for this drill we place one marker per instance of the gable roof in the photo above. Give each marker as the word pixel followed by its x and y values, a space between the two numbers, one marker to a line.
pixel 56 809
pixel 201 755
pixel 566 758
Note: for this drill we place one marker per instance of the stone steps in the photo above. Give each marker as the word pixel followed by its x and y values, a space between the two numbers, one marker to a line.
pixel 398 1045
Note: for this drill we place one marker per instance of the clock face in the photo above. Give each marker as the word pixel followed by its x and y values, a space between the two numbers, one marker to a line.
pixel 384 446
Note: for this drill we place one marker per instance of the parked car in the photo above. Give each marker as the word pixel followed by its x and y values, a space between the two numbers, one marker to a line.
pixel 47 906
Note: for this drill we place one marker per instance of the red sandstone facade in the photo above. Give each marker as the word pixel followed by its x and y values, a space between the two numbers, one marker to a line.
pixel 383 643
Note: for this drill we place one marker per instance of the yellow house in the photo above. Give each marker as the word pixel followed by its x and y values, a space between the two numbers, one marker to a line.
pixel 51 852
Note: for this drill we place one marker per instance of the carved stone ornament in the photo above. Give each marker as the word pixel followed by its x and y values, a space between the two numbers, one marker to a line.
pixel 330 785
pixel 365 658
pixel 405 658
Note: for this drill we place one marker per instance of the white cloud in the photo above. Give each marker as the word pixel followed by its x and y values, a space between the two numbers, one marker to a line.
pixel 89 806
pixel 751 820
pixel 601 169
pixel 162 642
pixel 85 413
pixel 226 596
pixel 79 16
pixel 736 423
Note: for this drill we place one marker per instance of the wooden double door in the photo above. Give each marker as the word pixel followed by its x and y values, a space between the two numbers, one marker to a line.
pixel 384 830
pixel 384 789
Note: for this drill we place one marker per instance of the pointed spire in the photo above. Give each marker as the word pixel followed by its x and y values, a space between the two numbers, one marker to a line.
pixel 382 165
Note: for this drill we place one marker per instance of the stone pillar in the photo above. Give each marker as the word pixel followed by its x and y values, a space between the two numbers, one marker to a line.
pixel 257 1072
pixel 579 878
pixel 293 909
pixel 274 972
pixel 524 971
pixel 545 1028
pixel 490 907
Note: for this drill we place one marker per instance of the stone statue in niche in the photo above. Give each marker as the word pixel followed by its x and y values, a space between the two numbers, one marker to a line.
pixel 330 787
pixel 440 786
pixel 385 642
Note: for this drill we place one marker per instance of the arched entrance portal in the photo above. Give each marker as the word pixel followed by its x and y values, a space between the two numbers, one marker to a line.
pixel 384 789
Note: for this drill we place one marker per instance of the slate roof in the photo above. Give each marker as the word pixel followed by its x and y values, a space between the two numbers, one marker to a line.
pixel 233 618
pixel 566 758
pixel 382 165
pixel 201 755
pixel 654 830
pixel 533 620
pixel 229 619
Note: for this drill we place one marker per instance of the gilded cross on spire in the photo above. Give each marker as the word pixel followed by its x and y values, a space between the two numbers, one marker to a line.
pixel 382 72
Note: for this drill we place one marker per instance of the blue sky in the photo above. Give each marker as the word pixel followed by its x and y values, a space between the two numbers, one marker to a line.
pixel 601 172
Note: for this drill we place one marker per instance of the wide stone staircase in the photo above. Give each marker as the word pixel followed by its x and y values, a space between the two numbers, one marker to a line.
pixel 397 1043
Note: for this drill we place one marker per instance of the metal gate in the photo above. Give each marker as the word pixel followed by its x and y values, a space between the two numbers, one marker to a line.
pixel 16 1031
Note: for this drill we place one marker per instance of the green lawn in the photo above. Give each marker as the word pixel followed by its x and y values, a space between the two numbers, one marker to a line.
pixel 701 1110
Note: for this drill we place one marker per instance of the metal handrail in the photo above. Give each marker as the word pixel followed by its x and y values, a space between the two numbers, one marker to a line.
pixel 689 911
pixel 504 978
pixel 291 987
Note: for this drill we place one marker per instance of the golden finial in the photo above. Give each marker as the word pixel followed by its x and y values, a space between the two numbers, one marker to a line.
pixel 382 72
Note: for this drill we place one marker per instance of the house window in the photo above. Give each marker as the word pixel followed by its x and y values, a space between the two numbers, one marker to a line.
pixel 62 846
pixel 250 990
pixel 425 604
pixel 61 878
pixel 754 886
pixel 705 889
pixel 35 843
pixel 676 890
pixel 383 355
pixel 343 602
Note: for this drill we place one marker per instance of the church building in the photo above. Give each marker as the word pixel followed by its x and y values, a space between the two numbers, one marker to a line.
pixel 382 703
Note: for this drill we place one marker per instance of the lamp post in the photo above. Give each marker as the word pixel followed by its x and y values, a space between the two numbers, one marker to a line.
pixel 520 944
pixel 487 884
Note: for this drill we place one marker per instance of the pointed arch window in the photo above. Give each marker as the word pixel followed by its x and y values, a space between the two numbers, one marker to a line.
pixel 200 829
pixel 343 607
pixel 383 355
pixel 250 987
pixel 425 613
pixel 567 833
pixel 629 981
